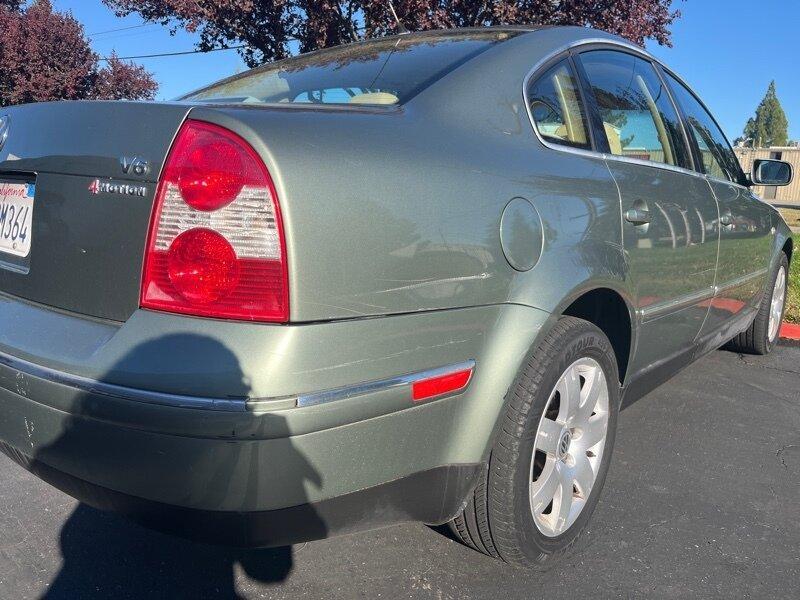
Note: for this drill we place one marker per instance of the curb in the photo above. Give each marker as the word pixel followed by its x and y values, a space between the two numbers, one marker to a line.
pixel 790 331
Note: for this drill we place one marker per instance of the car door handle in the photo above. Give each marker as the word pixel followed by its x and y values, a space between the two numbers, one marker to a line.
pixel 637 216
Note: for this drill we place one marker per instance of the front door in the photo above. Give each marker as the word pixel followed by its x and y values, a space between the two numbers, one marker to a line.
pixel 744 253
pixel 745 223
pixel 669 213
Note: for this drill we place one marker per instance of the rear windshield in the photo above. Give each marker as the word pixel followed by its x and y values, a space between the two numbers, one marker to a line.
pixel 383 72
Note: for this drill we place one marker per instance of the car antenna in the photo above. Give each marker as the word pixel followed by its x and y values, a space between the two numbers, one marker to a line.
pixel 401 29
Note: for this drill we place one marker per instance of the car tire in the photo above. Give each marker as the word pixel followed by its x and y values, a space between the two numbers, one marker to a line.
pixel 764 331
pixel 505 517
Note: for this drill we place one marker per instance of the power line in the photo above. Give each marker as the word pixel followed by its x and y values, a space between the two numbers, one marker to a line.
pixel 153 29
pixel 184 53
pixel 118 29
pixel 189 52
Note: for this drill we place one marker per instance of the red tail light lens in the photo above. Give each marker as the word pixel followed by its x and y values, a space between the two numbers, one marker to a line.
pixel 216 245
pixel 202 266
pixel 210 171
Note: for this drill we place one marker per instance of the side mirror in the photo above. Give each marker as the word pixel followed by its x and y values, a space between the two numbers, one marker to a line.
pixel 771 172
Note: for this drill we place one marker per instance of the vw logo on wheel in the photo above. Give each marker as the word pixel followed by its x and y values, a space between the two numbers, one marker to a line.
pixel 563 444
pixel 5 126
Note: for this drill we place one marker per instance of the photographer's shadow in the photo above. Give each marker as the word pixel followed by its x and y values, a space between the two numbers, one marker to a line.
pixel 106 555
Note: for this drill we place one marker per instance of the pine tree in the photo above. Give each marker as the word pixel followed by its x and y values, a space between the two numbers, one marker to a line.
pixel 769 127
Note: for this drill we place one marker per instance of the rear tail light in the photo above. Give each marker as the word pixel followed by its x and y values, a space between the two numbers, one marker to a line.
pixel 216 246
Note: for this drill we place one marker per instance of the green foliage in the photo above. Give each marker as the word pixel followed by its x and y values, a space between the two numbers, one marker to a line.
pixel 769 126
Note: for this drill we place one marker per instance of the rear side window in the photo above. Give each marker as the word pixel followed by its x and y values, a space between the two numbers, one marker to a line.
pixel 716 153
pixel 557 109
pixel 638 116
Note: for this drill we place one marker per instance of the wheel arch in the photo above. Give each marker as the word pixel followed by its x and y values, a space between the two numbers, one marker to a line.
pixel 608 310
pixel 788 248
pixel 603 305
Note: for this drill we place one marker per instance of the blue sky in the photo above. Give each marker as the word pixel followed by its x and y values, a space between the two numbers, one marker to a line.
pixel 729 51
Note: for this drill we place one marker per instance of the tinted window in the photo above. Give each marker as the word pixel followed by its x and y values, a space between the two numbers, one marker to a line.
pixel 638 116
pixel 387 71
pixel 718 158
pixel 557 109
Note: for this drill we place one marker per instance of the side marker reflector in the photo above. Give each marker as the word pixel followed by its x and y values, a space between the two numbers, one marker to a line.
pixel 440 385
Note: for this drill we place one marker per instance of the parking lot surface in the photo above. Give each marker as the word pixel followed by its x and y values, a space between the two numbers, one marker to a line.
pixel 702 501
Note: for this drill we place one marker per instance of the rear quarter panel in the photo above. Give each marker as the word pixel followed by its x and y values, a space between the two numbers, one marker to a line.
pixel 398 210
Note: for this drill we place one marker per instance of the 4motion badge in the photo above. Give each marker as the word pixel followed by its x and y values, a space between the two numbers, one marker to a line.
pixel 122 189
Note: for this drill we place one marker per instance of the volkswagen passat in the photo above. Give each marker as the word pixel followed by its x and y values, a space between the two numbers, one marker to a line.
pixel 411 279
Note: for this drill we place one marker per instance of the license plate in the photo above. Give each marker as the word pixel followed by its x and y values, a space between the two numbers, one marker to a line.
pixel 16 217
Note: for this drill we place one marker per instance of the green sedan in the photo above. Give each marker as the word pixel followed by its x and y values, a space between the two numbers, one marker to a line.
pixel 410 279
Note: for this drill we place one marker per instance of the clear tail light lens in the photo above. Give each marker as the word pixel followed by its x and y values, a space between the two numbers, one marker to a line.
pixel 216 246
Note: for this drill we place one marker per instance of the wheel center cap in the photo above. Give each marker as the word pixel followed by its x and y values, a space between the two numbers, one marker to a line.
pixel 563 444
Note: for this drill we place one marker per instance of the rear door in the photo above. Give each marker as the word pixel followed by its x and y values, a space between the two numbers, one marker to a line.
pixel 745 222
pixel 668 210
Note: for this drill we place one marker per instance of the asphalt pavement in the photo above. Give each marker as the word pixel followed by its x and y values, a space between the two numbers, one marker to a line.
pixel 702 501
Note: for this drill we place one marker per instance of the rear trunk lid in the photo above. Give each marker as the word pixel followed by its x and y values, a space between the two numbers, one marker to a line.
pixel 86 172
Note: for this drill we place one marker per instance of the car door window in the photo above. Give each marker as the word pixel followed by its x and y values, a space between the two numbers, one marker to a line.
pixel 715 152
pixel 638 116
pixel 557 109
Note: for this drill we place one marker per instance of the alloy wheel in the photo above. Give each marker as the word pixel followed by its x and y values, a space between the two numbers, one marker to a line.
pixel 776 306
pixel 568 449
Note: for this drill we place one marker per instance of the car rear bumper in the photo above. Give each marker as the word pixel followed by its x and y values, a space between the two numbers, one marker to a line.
pixel 260 468
pixel 216 488
pixel 432 496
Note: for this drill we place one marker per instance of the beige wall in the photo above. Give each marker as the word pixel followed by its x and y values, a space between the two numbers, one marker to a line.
pixel 789 194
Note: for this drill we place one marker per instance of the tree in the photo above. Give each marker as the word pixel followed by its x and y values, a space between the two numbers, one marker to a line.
pixel 769 127
pixel 44 55
pixel 266 27
pixel 123 81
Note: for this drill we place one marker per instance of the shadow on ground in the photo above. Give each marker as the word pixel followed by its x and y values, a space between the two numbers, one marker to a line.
pixel 107 556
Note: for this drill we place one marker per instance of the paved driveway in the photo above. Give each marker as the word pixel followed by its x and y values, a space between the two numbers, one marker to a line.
pixel 703 500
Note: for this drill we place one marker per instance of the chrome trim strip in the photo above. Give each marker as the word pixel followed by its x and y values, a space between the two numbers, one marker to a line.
pixel 734 283
pixel 92 386
pixel 654 165
pixel 326 397
pixel 654 311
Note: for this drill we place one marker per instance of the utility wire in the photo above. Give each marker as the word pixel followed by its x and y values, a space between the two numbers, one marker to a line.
pixel 125 35
pixel 184 53
pixel 189 52
pixel 118 29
